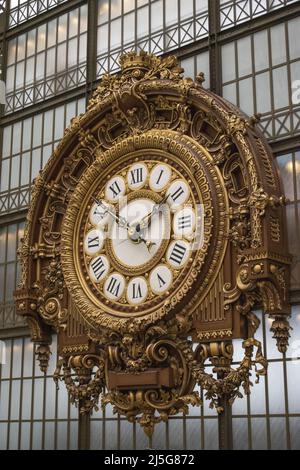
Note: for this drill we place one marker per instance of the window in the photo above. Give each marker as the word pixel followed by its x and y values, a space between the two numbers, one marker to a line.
pixel 258 72
pixel 27 146
pixel 10 236
pixel 155 26
pixel 24 10
pixel 47 60
pixel 234 12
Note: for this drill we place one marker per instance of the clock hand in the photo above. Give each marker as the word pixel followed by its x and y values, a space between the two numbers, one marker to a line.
pixel 121 221
pixel 139 240
pixel 144 222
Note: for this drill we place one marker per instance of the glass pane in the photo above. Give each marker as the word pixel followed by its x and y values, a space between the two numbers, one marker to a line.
pixel 294 43
pixel 211 437
pixel 189 67
pixel 259 433
pixel 246 96
pixel 240 433
pixel 176 434
pixel 103 11
pixel 73 23
pixel 244 56
pixel 129 28
pixel 31 42
pixel 171 12
pixel 128 5
pixel 26 138
pixel 21 47
pixel 228 62
pixel 278 433
pixel 263 97
pixel 49 435
pixel 62 435
pixel 186 8
pixel 11 51
pixel 285 163
pixel 156 16
pixel 25 436
pixel 102 40
pixel 276 387
pixel 51 33
pixel 26 398
pixel 61 58
pixel 83 18
pixel 115 9
pixel 72 52
pixel 25 169
pixel 41 38
pixel 4 400
pixel 115 33
pixel 261 50
pixel 48 130
pixel 16 138
pixel 62 28
pixel 281 91
pixel 193 430
pixel 15 399
pixel 278 44
pixel 15 172
pixel 143 22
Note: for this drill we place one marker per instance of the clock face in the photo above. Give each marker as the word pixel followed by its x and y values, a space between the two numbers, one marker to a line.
pixel 143 233
pixel 138 234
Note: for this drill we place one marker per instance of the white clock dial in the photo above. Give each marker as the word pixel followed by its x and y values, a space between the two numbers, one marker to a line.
pixel 137 290
pixel 98 215
pixel 114 286
pixel 99 268
pixel 115 189
pixel 160 279
pixel 132 254
pixel 137 176
pixel 178 192
pixel 93 242
pixel 160 177
pixel 184 222
pixel 178 253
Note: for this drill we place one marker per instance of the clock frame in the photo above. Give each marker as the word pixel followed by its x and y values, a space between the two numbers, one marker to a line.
pixel 191 281
pixel 147 361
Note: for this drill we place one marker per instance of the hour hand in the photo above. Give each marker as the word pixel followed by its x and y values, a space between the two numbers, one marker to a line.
pixel 145 222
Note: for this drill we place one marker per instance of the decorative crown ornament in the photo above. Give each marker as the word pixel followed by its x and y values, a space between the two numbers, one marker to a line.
pixel 138 325
pixel 141 60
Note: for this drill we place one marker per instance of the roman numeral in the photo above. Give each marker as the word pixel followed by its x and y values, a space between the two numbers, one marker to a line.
pixel 177 194
pixel 99 211
pixel 93 242
pixel 137 176
pixel 136 291
pixel 159 178
pixel 161 281
pixel 178 253
pixel 114 287
pixel 184 222
pixel 115 189
pixel 98 268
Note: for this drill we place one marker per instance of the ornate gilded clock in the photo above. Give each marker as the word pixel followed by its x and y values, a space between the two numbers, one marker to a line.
pixel 154 231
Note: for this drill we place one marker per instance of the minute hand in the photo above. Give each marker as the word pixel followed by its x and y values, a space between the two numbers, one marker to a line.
pixel 121 221
pixel 144 222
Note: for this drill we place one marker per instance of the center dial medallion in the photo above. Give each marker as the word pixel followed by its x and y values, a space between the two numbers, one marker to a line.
pixel 138 235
